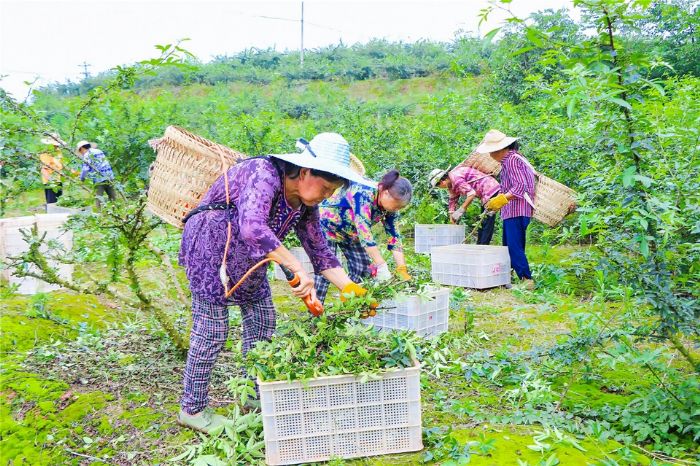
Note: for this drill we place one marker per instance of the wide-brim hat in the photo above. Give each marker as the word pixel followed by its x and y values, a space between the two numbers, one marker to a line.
pixel 53 139
pixel 437 175
pixel 81 144
pixel 328 152
pixel 494 141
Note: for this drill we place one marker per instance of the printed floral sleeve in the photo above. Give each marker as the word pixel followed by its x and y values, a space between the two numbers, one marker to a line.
pixel 360 214
pixel 391 228
pixel 254 204
pixel 314 242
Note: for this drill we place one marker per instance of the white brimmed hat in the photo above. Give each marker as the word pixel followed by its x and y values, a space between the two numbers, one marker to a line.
pixel 493 141
pixel 328 152
pixel 437 175
pixel 53 139
pixel 81 144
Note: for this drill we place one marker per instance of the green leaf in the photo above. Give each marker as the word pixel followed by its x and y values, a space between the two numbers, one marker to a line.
pixel 533 36
pixel 620 102
pixel 644 247
pixel 522 50
pixel 628 176
pixel 490 35
pixel 645 180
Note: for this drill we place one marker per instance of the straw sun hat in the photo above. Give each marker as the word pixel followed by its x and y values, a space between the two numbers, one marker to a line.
pixel 82 144
pixel 494 141
pixel 436 175
pixel 53 139
pixel 328 152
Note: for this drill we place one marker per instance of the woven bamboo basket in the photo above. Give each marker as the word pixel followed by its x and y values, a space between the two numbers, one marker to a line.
pixel 553 200
pixel 482 162
pixel 185 168
pixel 356 165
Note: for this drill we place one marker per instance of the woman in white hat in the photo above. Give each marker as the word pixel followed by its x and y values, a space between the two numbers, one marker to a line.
pixel 470 183
pixel 347 219
pixel 241 220
pixel 516 200
pixel 51 166
pixel 97 168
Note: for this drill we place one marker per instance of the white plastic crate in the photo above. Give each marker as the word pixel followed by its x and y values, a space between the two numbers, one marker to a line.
pixel 341 417
pixel 12 244
pixel 427 314
pixel 56 209
pixel 429 236
pixel 301 255
pixel 471 266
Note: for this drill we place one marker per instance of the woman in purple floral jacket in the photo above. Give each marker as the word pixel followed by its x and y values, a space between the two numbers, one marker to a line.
pixel 268 197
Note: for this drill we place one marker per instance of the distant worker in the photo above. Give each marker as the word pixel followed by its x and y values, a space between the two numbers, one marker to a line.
pixel 347 219
pixel 96 167
pixel 51 166
pixel 516 199
pixel 470 183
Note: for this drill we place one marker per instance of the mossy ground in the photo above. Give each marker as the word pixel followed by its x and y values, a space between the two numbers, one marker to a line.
pixel 83 383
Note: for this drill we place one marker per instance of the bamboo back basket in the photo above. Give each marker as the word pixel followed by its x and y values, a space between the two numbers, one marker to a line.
pixel 553 200
pixel 482 162
pixel 356 165
pixel 185 168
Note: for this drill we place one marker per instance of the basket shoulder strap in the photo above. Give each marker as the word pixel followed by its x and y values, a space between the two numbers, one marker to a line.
pixel 528 199
pixel 524 160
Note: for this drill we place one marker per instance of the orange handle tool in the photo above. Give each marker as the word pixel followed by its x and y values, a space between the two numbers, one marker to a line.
pixel 314 306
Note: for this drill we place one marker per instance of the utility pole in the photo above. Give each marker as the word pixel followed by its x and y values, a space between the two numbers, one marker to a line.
pixel 85 71
pixel 301 57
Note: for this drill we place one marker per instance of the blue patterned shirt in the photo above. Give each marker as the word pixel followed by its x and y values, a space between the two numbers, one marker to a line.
pixel 96 167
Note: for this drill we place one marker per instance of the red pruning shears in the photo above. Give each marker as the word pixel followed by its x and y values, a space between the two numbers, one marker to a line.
pixel 313 304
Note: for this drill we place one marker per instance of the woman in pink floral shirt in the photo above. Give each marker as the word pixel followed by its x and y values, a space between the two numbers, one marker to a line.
pixel 469 183
pixel 347 219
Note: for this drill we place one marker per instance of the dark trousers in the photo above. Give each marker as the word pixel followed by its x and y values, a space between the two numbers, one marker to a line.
pixel 52 194
pixel 485 233
pixel 514 233
pixel 101 189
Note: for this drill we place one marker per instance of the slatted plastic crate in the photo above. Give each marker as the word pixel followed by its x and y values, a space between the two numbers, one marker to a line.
pixel 429 236
pixel 426 314
pixel 341 417
pixel 301 255
pixel 471 266
pixel 12 244
pixel 57 209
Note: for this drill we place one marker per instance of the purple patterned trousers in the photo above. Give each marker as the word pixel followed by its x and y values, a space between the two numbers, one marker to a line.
pixel 358 265
pixel 209 333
